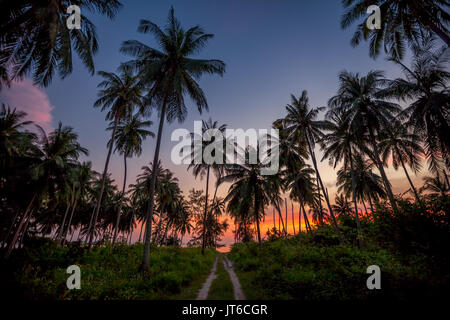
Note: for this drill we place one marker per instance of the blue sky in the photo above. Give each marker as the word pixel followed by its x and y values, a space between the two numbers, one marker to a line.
pixel 272 48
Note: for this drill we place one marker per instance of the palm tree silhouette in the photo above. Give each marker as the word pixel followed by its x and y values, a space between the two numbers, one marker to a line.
pixel 120 94
pixel 367 114
pixel 35 38
pixel 425 88
pixel 403 22
pixel 130 134
pixel 170 74
pixel 403 148
pixel 301 124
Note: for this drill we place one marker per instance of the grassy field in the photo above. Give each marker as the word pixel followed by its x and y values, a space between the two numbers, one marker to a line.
pixel 39 272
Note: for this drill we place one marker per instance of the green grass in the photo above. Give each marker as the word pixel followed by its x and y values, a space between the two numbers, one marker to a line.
pixel 39 272
pixel 222 287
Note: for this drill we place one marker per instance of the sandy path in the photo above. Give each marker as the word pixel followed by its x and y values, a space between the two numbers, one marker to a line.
pixel 203 293
pixel 238 294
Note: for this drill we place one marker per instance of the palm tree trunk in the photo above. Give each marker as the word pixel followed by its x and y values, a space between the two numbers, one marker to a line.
pixel 410 182
pixel 25 228
pixel 280 216
pixel 358 223
pixel 370 203
pixel 116 228
pixel 305 217
pixel 257 222
pixel 293 220
pixel 5 239
pixel 273 213
pixel 13 242
pixel 70 220
pixel 313 157
pixel 140 233
pixel 61 227
pixel 376 155
pixel 204 214
pixel 299 221
pixel 286 210
pixel 102 189
pixel 320 201
pixel 145 266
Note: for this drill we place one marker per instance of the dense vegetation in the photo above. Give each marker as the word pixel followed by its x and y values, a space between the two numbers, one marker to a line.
pixel 39 272
pixel 410 247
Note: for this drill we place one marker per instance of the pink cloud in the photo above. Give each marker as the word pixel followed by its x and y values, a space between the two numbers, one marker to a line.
pixel 26 97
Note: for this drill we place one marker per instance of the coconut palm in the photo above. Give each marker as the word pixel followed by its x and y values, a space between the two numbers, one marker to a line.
pixel 425 87
pixel 435 186
pixel 339 144
pixel 402 22
pixel 250 191
pixel 58 153
pixel 120 94
pixel 367 184
pixel 35 38
pixel 82 186
pixel 342 206
pixel 170 74
pixel 368 115
pixel 301 124
pixel 130 134
pixel 403 148
pixel 201 167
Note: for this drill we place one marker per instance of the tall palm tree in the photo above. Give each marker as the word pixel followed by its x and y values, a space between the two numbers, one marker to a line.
pixel 170 73
pixel 35 37
pixel 120 94
pixel 362 179
pixel 402 22
pixel 82 186
pixel 250 191
pixel 301 124
pixel 339 145
pixel 402 147
pixel 201 167
pixel 426 88
pixel 130 134
pixel 367 114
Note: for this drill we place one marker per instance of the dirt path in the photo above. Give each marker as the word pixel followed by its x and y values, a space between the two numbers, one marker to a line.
pixel 238 294
pixel 203 293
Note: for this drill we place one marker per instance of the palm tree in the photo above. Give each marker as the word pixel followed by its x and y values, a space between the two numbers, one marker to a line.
pixel 58 152
pixel 202 167
pixel 402 22
pixel 367 114
pixel 402 147
pixel 435 186
pixel 342 206
pixel 130 134
pixel 339 145
pixel 82 186
pixel 426 85
pixel 250 191
pixel 301 124
pixel 170 73
pixel 367 185
pixel 35 38
pixel 120 94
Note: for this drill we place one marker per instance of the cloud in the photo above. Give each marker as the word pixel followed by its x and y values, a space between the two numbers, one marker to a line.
pixel 26 97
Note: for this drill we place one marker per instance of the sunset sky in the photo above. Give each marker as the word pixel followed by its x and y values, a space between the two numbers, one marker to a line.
pixel 272 48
